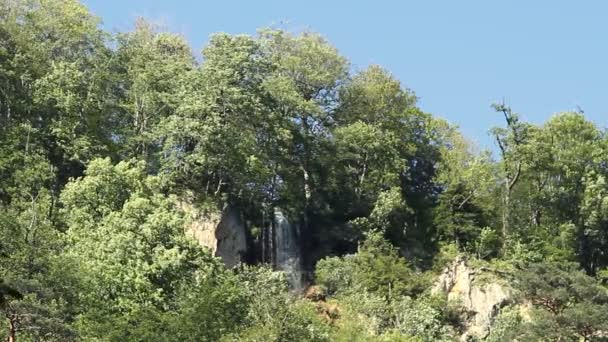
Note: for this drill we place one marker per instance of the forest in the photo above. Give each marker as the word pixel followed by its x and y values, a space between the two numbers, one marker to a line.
pixel 353 200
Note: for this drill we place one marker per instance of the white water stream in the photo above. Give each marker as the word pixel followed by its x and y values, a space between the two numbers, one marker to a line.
pixel 287 254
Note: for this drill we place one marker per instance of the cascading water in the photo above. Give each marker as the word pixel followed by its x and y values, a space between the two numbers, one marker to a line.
pixel 286 250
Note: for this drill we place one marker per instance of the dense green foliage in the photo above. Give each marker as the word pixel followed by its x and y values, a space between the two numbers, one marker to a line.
pixel 102 135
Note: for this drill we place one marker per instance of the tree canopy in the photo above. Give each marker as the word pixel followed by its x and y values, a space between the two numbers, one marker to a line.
pixel 103 136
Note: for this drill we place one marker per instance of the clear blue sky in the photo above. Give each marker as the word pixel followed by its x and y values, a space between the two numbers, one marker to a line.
pixel 542 57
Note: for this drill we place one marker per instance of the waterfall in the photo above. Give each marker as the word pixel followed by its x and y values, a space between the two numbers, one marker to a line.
pixel 287 254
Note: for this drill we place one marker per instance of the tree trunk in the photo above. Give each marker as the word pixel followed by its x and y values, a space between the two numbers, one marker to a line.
pixel 307 188
pixel 307 196
pixel 505 215
pixel 509 184
pixel 359 189
pixel 264 237
pixel 536 217
pixel 12 329
pixel 271 239
pixel 306 175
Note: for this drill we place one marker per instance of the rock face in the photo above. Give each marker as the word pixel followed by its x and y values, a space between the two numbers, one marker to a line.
pixel 222 232
pixel 482 301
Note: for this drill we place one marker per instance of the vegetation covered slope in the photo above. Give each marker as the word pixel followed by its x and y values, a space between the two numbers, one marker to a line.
pixel 102 134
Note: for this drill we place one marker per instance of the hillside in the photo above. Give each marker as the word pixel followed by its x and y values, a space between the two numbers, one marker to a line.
pixel 266 191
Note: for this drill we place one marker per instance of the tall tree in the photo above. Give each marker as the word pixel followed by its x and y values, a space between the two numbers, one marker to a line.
pixel 509 141
pixel 468 181
pixel 307 72
pixel 154 67
pixel 387 151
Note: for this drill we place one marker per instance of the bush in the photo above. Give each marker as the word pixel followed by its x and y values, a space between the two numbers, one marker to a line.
pixel 487 244
pixel 336 273
pixel 273 314
pixel 506 325
pixel 377 267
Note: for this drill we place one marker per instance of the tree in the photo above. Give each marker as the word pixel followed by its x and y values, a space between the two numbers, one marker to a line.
pixel 377 267
pixel 222 137
pixel 55 80
pixel 577 149
pixel 307 72
pixel 560 190
pixel 154 71
pixel 370 148
pixel 7 294
pixel 568 303
pixel 509 141
pixel 469 183
pixel 594 235
pixel 127 242
pixel 30 243
pixel 386 148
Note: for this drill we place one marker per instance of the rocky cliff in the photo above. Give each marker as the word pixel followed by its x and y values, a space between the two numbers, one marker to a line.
pixel 221 231
pixel 483 300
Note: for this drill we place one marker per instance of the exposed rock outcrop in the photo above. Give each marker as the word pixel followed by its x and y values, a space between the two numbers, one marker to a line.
pixel 483 301
pixel 221 231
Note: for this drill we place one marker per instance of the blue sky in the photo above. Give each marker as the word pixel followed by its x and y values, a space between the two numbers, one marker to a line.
pixel 541 57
